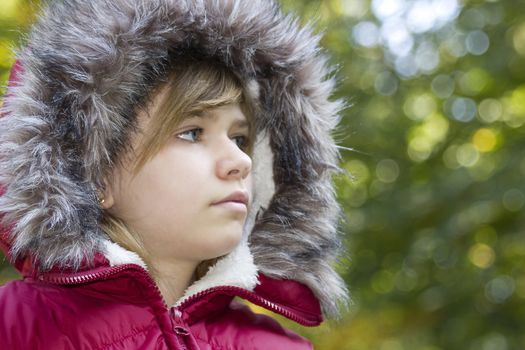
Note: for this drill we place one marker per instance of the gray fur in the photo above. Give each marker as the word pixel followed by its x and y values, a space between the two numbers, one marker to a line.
pixel 87 62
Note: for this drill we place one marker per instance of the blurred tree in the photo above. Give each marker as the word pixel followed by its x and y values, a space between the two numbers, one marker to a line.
pixel 436 152
pixel 435 206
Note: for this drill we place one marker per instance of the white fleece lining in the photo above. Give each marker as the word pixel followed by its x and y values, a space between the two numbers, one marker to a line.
pixel 262 178
pixel 235 269
pixel 118 255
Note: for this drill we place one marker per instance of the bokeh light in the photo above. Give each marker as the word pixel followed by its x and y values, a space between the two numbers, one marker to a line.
pixel 518 38
pixel 499 289
pixel 387 170
pixel 477 42
pixel 484 140
pixel 490 110
pixel 482 255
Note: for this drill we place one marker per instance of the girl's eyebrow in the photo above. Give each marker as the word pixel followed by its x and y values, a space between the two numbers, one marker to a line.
pixel 238 122
pixel 241 123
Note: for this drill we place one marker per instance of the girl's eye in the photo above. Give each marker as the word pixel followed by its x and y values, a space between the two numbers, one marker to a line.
pixel 241 141
pixel 192 135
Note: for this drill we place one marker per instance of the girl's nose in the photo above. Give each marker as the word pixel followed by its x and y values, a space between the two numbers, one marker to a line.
pixel 234 163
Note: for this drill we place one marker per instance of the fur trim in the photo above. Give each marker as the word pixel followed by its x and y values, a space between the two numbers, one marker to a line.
pixel 88 64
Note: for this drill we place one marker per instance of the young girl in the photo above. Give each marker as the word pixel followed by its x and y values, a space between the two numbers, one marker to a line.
pixel 157 159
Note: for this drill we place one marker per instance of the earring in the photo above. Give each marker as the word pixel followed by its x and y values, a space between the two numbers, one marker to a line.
pixel 100 197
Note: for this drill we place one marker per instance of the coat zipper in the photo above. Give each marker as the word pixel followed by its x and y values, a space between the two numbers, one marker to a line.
pixel 103 275
pixel 179 328
pixel 252 297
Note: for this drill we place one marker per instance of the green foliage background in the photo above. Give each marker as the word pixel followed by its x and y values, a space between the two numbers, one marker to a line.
pixel 436 148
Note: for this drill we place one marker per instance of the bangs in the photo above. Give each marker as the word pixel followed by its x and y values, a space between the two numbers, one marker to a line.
pixel 212 88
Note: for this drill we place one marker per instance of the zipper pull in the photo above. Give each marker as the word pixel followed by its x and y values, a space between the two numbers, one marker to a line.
pixel 178 323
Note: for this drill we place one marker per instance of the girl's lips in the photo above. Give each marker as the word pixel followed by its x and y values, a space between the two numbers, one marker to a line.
pixel 239 197
pixel 236 201
pixel 231 205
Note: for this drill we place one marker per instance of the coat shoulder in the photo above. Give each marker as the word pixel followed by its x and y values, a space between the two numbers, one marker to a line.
pixel 17 314
pixel 239 328
pixel 42 316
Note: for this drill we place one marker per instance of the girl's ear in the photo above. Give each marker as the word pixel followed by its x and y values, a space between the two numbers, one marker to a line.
pixel 105 196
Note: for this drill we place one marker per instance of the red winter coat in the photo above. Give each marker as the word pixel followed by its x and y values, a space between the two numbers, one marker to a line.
pixel 121 308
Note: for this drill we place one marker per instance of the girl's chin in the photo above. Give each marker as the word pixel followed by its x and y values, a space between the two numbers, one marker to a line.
pixel 225 246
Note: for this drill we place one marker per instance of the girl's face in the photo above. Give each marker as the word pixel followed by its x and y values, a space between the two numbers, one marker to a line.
pixel 189 201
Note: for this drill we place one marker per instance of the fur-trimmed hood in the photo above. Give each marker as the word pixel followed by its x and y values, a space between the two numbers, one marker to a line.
pixel 87 64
